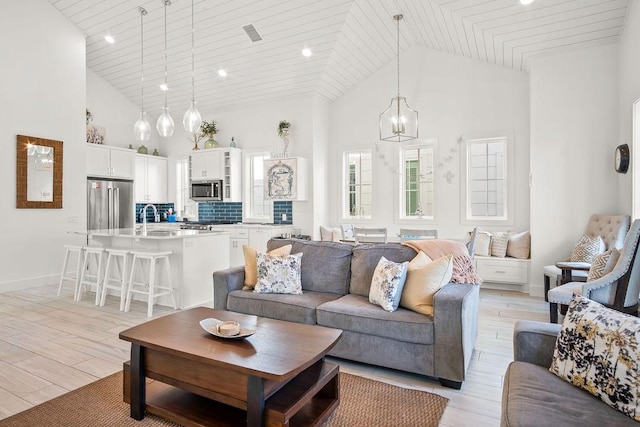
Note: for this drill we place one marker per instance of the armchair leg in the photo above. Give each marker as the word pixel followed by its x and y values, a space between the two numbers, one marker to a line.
pixel 547 286
pixel 553 312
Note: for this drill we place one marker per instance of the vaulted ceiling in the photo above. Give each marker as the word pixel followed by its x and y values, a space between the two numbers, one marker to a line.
pixel 349 39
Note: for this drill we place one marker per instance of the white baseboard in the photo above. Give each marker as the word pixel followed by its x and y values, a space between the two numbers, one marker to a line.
pixel 31 282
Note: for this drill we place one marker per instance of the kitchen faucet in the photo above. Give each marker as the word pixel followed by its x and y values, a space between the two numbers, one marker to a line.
pixel 143 211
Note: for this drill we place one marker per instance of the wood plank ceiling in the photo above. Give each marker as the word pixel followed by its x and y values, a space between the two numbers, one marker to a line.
pixel 350 40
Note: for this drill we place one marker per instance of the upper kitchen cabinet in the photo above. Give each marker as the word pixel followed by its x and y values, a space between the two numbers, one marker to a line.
pixel 285 179
pixel 151 179
pixel 206 165
pixel 110 162
pixel 232 170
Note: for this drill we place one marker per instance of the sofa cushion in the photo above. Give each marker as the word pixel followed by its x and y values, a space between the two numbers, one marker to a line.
pixel 532 396
pixel 292 308
pixel 365 259
pixel 355 313
pixel 278 274
pixel 325 265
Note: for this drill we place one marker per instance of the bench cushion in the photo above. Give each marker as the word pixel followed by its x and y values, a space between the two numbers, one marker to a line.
pixel 292 308
pixel 532 396
pixel 355 313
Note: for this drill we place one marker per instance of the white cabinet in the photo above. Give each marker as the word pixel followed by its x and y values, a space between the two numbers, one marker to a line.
pixel 503 270
pixel 110 162
pixel 239 238
pixel 232 170
pixel 151 179
pixel 285 179
pixel 206 165
pixel 255 236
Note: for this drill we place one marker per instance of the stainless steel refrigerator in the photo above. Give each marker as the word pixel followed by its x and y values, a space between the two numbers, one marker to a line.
pixel 109 204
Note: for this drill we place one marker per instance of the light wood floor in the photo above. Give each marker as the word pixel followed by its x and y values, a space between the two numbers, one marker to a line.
pixel 50 345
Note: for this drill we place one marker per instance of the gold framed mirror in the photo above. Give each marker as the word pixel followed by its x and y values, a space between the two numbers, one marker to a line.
pixel 38 173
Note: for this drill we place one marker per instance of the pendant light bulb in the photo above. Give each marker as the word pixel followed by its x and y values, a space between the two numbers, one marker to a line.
pixel 165 125
pixel 192 119
pixel 142 128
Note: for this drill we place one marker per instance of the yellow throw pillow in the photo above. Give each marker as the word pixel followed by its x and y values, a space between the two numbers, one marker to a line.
pixel 423 281
pixel 251 264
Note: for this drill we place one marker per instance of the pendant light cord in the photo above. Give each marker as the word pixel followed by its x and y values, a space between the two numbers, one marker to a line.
pixel 143 12
pixel 166 3
pixel 193 61
pixel 398 18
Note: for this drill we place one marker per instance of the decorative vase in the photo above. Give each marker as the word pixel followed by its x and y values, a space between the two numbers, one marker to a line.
pixel 155 152
pixel 233 143
pixel 211 143
pixel 143 150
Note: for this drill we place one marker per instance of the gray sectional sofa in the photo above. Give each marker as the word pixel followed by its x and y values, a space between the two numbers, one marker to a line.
pixel 335 281
pixel 533 396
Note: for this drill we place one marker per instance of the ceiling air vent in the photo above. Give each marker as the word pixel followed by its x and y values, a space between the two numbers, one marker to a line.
pixel 252 33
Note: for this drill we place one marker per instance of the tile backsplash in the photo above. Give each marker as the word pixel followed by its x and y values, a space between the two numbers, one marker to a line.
pixel 232 212
pixel 280 208
pixel 161 207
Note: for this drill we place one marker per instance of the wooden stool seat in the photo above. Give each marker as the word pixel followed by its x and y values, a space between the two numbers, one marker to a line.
pixel 149 285
pixel 72 274
pixel 116 263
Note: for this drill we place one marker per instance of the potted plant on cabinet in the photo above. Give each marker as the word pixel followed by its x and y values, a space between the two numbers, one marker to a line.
pixel 210 129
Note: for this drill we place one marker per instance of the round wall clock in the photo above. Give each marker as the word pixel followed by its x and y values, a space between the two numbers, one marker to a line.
pixel 622 158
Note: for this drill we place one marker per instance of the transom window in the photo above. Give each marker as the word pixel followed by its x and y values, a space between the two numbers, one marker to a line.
pixel 416 181
pixel 486 179
pixel 357 184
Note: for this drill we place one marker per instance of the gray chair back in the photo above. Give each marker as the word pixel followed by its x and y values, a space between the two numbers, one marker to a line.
pixel 416 234
pixel 347 231
pixel 370 235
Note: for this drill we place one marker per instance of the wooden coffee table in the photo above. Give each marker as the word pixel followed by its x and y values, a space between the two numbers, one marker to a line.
pixel 276 377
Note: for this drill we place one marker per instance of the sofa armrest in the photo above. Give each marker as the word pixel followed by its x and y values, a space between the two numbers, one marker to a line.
pixel 534 342
pixel 455 324
pixel 225 281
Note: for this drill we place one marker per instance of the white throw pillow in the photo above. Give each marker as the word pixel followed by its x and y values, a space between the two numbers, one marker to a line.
pixel 519 245
pixel 279 274
pixel 483 243
pixel 424 279
pixel 598 350
pixel 387 283
pixel 499 241
pixel 587 248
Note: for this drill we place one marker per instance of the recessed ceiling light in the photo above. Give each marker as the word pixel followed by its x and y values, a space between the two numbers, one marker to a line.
pixel 526 2
pixel 306 52
pixel 109 39
pixel 164 87
pixel 222 73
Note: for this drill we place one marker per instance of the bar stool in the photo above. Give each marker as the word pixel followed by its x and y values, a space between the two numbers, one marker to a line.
pixel 149 286
pixel 87 277
pixel 73 274
pixel 116 263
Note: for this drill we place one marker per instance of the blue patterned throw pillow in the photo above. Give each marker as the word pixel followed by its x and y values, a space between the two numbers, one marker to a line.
pixel 387 283
pixel 279 274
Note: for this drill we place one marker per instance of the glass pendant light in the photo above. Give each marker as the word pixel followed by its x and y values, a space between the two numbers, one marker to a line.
pixel 398 122
pixel 165 124
pixel 142 128
pixel 192 119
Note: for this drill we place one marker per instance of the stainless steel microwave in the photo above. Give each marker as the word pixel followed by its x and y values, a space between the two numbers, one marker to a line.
pixel 203 191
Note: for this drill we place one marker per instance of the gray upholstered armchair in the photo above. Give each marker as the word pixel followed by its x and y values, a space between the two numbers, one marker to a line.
pixel 612 229
pixel 618 289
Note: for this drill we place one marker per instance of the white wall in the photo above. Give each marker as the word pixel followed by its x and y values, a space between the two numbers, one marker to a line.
pixel 455 96
pixel 574 130
pixel 116 114
pixel 628 93
pixel 255 129
pixel 43 94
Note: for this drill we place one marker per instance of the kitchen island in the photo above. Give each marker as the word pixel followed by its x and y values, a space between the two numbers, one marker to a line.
pixel 195 255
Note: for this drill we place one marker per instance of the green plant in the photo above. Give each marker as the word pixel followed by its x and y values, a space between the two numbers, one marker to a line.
pixel 283 128
pixel 209 128
pixel 89 116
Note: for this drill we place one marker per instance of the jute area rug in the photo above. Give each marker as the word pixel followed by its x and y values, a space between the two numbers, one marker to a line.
pixel 363 403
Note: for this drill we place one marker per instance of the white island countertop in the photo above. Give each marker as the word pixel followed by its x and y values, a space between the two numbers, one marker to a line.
pixel 133 233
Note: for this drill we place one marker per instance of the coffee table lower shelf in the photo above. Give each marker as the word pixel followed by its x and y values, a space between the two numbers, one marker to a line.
pixel 307 400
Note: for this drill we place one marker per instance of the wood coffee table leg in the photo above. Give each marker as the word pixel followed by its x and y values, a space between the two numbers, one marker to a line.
pixel 137 384
pixel 255 401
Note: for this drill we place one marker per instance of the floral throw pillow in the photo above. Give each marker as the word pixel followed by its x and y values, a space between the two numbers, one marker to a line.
pixel 279 274
pixel 598 350
pixel 387 283
pixel 587 248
